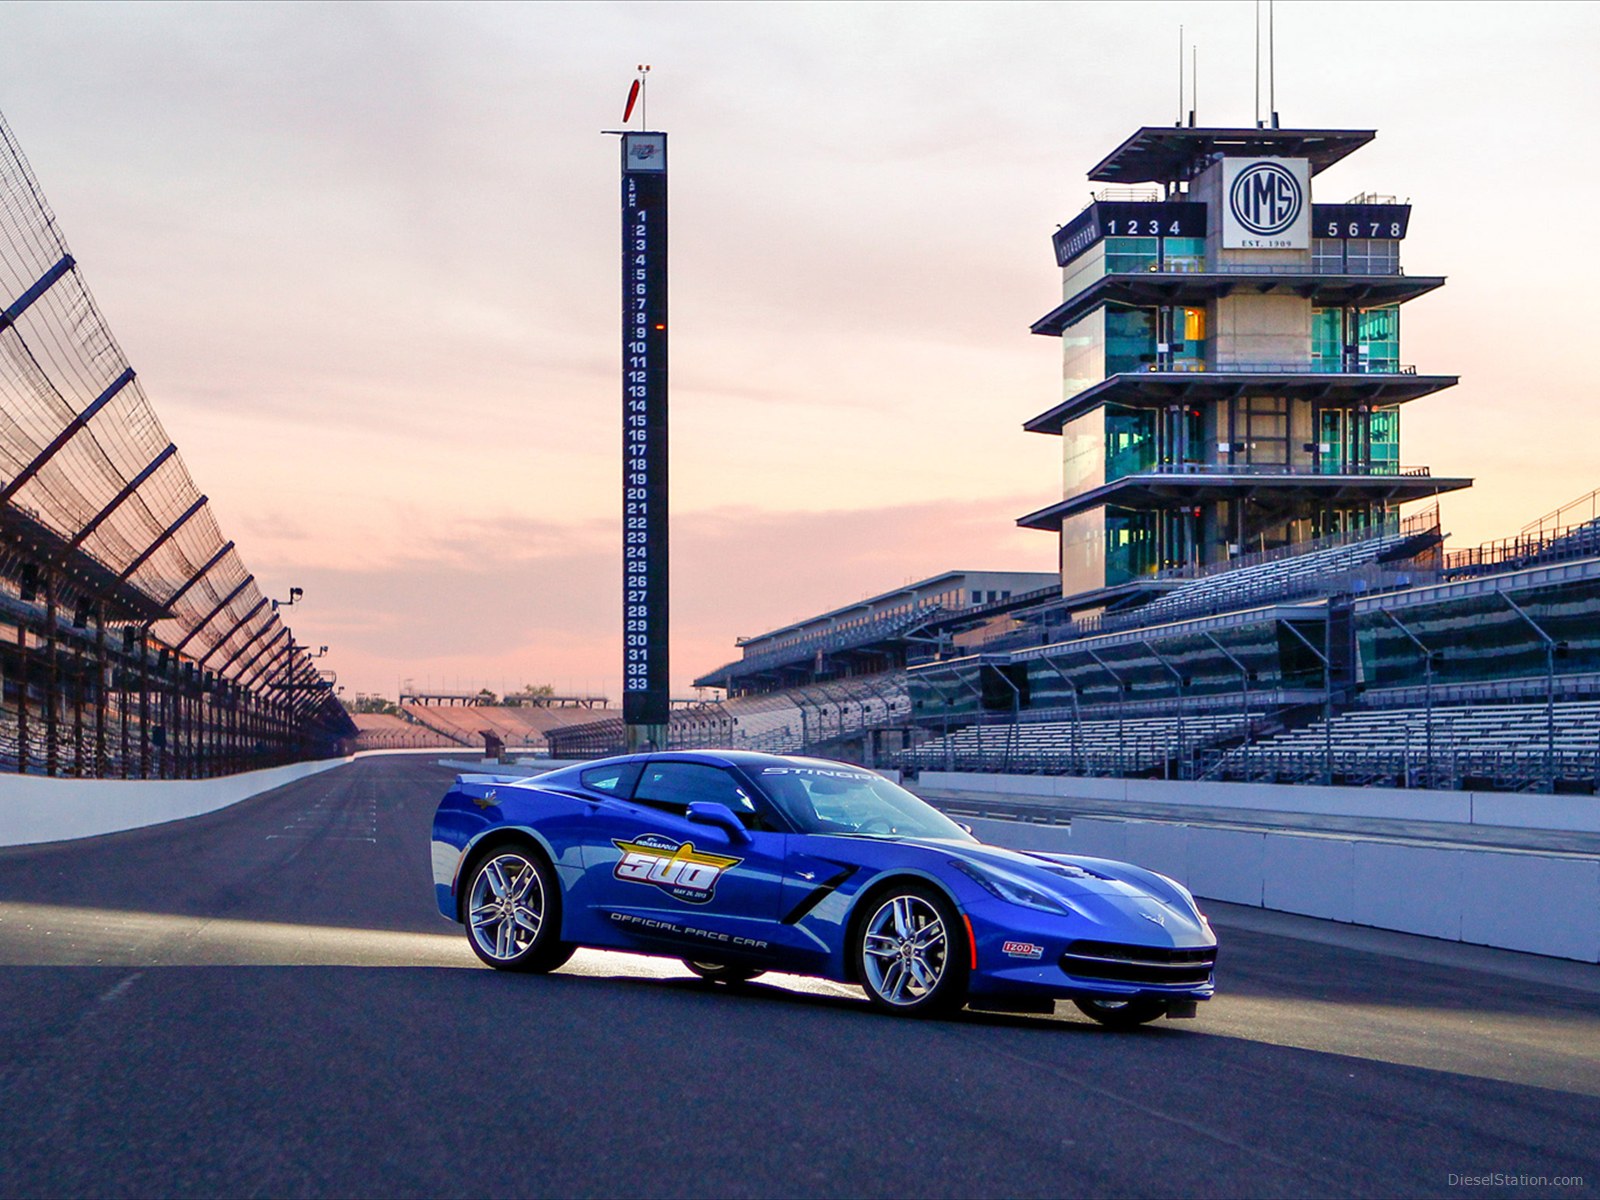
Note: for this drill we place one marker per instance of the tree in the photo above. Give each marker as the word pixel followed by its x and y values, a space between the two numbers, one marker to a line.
pixel 365 703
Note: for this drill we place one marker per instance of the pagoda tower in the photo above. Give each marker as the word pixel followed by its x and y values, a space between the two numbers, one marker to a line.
pixel 1232 376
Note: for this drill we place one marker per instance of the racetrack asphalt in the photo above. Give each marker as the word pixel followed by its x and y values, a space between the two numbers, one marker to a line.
pixel 263 1001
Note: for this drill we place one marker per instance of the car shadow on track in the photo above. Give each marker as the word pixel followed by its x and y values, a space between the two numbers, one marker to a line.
pixel 824 995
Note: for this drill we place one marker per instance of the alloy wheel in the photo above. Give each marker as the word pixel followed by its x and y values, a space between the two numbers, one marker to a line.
pixel 506 906
pixel 905 951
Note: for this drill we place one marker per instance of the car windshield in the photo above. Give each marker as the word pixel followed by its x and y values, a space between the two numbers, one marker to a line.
pixel 836 798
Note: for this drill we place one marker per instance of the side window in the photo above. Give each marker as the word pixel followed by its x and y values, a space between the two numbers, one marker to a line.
pixel 674 786
pixel 615 780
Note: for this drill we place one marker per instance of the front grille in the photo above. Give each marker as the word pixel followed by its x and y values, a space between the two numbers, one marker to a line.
pixel 1138 964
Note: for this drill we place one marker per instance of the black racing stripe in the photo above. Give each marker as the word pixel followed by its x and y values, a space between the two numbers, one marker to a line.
pixel 818 894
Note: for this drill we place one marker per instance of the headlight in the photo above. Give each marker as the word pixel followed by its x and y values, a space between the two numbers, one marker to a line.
pixel 1011 889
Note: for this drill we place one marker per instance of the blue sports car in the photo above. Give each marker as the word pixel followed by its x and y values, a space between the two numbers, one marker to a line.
pixel 740 863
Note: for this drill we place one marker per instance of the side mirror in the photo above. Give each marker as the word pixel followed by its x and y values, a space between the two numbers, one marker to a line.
pixel 712 812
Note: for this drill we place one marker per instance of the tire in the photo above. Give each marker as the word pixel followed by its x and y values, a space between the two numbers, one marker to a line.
pixel 1123 1014
pixel 721 972
pixel 911 953
pixel 512 911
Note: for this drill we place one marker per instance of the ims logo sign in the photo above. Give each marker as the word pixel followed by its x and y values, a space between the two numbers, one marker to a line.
pixel 1266 205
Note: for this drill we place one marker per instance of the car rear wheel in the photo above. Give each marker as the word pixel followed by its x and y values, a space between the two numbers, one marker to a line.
pixel 720 972
pixel 513 912
pixel 910 953
pixel 1122 1014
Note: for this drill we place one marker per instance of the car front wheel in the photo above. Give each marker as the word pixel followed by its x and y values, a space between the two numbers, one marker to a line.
pixel 513 912
pixel 910 953
pixel 1122 1014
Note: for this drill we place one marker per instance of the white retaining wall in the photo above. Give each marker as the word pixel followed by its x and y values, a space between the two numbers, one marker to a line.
pixel 34 808
pixel 1542 903
pixel 1520 809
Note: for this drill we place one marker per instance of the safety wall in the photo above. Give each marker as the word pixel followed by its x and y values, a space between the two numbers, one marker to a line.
pixel 1517 810
pixel 1540 902
pixel 37 809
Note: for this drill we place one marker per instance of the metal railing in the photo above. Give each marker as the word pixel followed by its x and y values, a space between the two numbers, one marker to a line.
pixel 1578 541
pixel 1369 367
pixel 1214 468
pixel 1127 194
pixel 1220 269
pixel 1213 755
pixel 1561 520
pixel 1416 524
pixel 1521 769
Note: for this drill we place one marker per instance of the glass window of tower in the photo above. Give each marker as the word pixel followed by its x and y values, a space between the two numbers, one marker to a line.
pixel 1183 254
pixel 1385 424
pixel 1125 255
pixel 1327 339
pixel 1083 449
pixel 1130 340
pixel 1342 449
pixel 1132 545
pixel 1379 338
pixel 1327 255
pixel 1084 354
pixel 1083 271
pixel 1124 539
pixel 1130 440
pixel 1372 256
pixel 1334 445
pixel 1189 345
pixel 1083 549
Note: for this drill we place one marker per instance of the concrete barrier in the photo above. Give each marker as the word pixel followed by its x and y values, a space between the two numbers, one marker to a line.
pixel 1520 810
pixel 36 809
pixel 1534 901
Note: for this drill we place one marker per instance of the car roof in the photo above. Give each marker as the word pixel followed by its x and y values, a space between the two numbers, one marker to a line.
pixel 737 758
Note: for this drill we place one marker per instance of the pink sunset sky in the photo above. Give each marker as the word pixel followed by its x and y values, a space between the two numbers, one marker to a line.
pixel 364 258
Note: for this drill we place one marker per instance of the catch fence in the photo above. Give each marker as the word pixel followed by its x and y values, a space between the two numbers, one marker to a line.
pixel 134 642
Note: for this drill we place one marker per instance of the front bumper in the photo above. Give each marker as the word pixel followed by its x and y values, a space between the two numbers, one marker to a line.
pixel 1024 952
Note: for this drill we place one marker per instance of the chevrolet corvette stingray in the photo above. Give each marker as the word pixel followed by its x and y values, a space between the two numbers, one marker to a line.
pixel 739 863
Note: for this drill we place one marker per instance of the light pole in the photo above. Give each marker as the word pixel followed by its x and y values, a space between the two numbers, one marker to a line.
pixel 1122 695
pixel 1245 675
pixel 1428 657
pixel 285 714
pixel 1327 698
pixel 1551 649
pixel 1182 682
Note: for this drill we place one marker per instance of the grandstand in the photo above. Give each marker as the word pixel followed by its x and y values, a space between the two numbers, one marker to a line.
pixel 1485 747
pixel 833 683
pixel 388 731
pixel 1373 560
pixel 863 717
pixel 1476 677
pixel 519 726
pixel 134 643
pixel 1136 746
pixel 878 634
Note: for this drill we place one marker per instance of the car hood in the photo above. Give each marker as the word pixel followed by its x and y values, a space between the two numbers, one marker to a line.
pixel 1129 903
